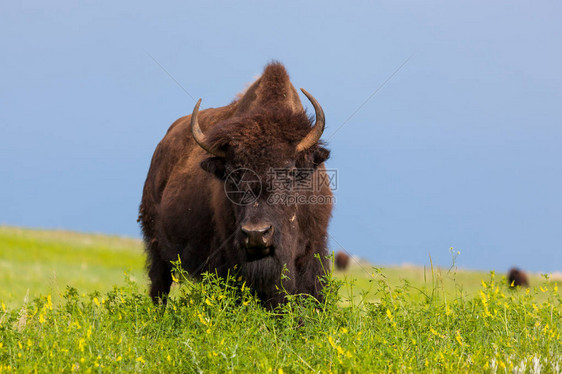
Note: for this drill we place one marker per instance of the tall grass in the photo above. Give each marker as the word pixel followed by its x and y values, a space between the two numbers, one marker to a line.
pixel 217 325
pixel 370 320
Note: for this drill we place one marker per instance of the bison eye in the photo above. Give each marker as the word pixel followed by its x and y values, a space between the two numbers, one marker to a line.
pixel 289 164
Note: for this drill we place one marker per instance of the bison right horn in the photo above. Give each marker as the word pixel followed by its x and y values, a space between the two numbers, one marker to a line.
pixel 198 135
pixel 314 135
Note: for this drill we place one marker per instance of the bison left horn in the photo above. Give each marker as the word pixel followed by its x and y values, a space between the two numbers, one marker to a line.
pixel 198 135
pixel 314 135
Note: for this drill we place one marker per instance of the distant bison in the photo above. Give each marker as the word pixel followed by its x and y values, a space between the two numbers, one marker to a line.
pixel 341 260
pixel 225 192
pixel 517 277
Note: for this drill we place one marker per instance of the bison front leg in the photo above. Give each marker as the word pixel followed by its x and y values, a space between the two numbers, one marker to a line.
pixel 160 274
pixel 309 271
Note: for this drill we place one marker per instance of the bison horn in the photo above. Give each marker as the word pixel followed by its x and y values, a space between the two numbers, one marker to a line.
pixel 198 135
pixel 314 135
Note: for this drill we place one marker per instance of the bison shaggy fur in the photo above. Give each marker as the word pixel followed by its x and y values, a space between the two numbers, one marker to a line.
pixel 186 212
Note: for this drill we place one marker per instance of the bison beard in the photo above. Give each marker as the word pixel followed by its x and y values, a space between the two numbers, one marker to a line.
pixel 185 211
pixel 263 275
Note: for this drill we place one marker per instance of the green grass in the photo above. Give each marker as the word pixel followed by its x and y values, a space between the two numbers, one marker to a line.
pixel 35 262
pixel 363 278
pixel 372 320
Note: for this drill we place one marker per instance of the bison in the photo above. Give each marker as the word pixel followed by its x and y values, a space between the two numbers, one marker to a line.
pixel 341 260
pixel 242 188
pixel 517 277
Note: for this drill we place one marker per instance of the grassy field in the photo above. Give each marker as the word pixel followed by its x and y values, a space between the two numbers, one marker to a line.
pixel 35 262
pixel 77 302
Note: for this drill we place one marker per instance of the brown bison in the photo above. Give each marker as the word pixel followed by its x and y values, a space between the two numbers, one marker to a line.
pixel 517 277
pixel 225 192
pixel 341 260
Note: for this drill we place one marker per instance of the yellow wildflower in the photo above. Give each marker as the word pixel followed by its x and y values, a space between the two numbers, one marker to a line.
pixel 458 337
pixel 389 314
pixel 331 341
pixel 435 332
pixel 484 299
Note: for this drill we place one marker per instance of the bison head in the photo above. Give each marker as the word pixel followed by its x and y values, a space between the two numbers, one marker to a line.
pixel 264 155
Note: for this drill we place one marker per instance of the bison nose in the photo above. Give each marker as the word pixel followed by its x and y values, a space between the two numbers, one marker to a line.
pixel 257 236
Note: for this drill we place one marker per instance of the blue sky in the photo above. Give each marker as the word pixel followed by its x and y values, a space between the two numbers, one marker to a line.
pixel 461 148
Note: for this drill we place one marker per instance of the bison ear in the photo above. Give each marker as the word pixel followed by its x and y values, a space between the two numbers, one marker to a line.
pixel 215 166
pixel 320 155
